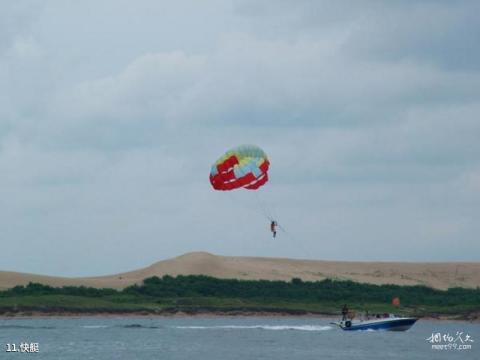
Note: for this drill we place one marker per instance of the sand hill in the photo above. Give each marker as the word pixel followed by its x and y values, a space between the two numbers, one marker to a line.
pixel 437 275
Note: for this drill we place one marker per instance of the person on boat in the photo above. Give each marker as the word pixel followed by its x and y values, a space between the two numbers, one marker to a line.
pixel 273 228
pixel 344 312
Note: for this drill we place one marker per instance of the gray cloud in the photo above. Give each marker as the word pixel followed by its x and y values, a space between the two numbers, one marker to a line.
pixel 109 123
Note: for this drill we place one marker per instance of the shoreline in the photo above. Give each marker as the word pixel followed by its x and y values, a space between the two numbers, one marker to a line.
pixel 168 313
pixel 199 314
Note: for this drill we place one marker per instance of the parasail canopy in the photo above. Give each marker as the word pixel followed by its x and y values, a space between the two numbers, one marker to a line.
pixel 245 167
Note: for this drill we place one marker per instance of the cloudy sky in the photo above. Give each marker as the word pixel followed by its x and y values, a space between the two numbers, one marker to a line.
pixel 112 112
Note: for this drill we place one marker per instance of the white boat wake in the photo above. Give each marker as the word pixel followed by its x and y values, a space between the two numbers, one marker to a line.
pixel 262 327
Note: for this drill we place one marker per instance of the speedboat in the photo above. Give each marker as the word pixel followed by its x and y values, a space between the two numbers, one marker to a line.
pixel 390 323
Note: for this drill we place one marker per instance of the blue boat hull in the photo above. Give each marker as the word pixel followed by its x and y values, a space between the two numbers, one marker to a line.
pixel 401 324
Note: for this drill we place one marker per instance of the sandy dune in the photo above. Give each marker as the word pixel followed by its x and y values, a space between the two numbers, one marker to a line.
pixel 437 275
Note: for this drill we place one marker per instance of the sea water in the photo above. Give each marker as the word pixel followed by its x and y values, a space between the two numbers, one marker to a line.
pixel 221 338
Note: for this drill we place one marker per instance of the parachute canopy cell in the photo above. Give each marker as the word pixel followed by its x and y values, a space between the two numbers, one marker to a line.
pixel 245 167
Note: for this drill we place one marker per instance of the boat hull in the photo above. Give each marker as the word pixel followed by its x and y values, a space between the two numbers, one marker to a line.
pixel 399 324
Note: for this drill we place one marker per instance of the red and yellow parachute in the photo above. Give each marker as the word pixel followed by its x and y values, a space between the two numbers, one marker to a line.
pixel 245 167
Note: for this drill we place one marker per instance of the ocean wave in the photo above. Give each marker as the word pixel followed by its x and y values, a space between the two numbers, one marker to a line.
pixel 261 327
pixel 94 326
pixel 25 327
pixel 125 326
pixel 138 326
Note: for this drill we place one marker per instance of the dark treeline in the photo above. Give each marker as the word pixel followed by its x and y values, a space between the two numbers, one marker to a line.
pixel 298 290
pixel 295 290
pixel 40 289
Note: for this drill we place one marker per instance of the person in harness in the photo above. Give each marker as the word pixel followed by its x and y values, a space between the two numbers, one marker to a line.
pixel 273 228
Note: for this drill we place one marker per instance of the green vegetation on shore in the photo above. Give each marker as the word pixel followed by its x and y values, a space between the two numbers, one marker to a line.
pixel 203 294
